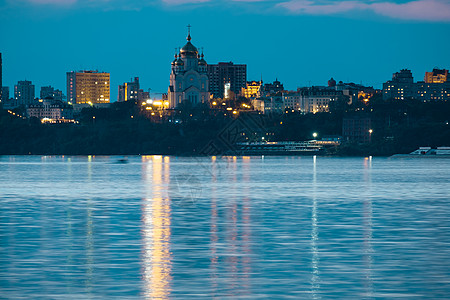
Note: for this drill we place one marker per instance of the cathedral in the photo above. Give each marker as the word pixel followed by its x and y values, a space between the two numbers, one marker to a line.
pixel 188 78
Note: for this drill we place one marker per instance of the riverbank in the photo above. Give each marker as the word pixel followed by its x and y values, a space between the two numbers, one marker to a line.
pixel 114 132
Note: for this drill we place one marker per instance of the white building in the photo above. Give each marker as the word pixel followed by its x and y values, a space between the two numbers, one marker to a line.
pixel 50 109
pixel 312 100
pixel 188 78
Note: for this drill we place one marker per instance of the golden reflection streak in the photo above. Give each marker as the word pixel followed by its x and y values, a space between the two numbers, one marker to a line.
pixel 315 278
pixel 156 218
pixel 213 224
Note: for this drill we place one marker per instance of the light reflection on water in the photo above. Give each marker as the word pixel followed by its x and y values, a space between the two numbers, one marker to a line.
pixel 167 227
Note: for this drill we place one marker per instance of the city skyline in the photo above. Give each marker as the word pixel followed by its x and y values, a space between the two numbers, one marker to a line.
pixel 322 45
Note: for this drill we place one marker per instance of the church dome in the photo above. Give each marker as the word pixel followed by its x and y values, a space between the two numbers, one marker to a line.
pixel 175 60
pixel 189 49
pixel 179 62
pixel 202 61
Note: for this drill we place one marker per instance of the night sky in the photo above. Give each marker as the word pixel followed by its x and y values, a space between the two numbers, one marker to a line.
pixel 300 42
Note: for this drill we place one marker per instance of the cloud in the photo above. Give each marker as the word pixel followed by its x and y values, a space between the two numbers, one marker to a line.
pixel 426 10
pixel 54 2
pixel 419 10
pixel 430 10
pixel 180 2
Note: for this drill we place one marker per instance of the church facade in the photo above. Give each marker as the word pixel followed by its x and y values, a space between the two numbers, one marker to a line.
pixel 188 78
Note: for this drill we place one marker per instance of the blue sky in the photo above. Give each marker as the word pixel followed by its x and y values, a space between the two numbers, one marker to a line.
pixel 300 42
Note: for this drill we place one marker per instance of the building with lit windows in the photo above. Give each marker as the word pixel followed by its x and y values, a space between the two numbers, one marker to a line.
pixel 432 91
pixel 226 74
pixel 88 87
pixel 400 87
pixel 49 91
pixel 436 76
pixel 50 109
pixel 252 89
pixel 272 88
pixel 313 99
pixel 188 77
pixel 24 93
pixel 292 100
pixel 130 91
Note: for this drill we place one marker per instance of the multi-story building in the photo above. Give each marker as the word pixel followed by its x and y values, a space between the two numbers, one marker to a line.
pixel 88 87
pixel 432 91
pixel 188 78
pixel 252 89
pixel 130 91
pixel 292 100
pixel 313 99
pixel 1 79
pixel 24 93
pixel 226 72
pixel 318 99
pixel 400 87
pixel 268 105
pixel 436 76
pixel 51 109
pixel 5 93
pixel 272 88
pixel 49 91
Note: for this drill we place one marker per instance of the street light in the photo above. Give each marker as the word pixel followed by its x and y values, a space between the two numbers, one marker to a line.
pixel 314 134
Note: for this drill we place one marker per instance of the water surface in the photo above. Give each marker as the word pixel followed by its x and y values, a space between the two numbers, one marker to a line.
pixel 234 227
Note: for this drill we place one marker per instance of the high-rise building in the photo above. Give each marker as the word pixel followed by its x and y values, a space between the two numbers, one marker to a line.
pixel 436 76
pixel 24 93
pixel 188 77
pixel 5 93
pixel 130 91
pixel 89 87
pixel 49 91
pixel 400 87
pixel 226 72
pixel 1 79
